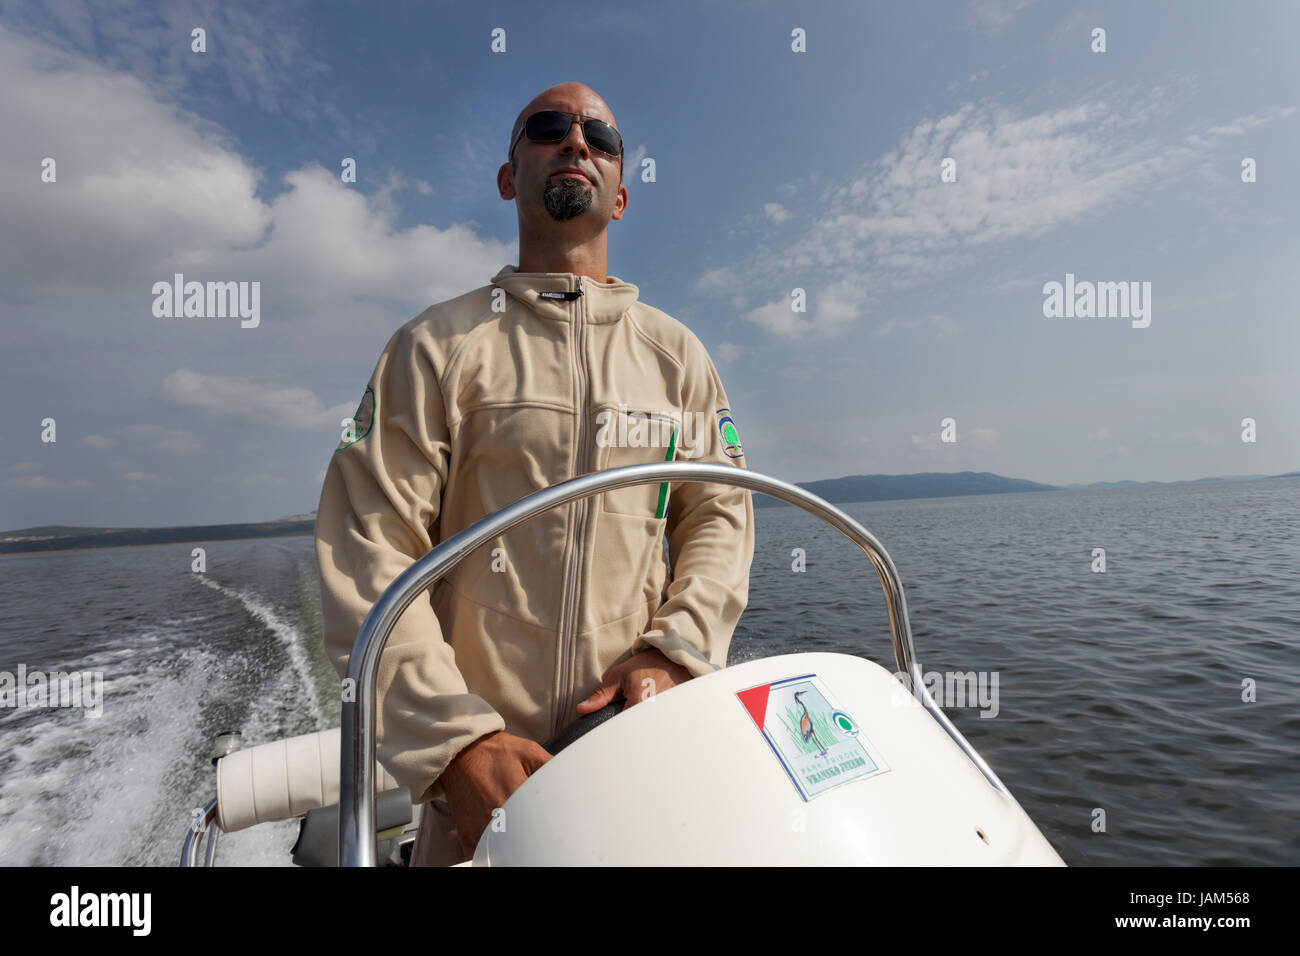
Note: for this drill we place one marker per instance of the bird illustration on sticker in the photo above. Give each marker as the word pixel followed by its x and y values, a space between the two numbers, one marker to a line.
pixel 806 725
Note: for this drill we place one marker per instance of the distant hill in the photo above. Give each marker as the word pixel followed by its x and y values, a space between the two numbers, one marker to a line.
pixel 949 484
pixel 1188 481
pixel 1114 484
pixel 63 538
pixel 923 485
pixel 835 490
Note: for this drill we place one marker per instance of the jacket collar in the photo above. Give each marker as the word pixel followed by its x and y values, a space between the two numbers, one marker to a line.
pixel 603 301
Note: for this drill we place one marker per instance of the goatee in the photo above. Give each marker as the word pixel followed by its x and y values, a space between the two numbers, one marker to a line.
pixel 566 197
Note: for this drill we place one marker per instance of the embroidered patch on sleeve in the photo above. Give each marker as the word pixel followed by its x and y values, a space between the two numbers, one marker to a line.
pixel 362 421
pixel 730 434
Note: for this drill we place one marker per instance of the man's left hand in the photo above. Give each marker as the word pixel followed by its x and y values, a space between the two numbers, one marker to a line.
pixel 638 678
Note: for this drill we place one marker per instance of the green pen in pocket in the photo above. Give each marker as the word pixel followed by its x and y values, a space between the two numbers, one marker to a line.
pixel 663 487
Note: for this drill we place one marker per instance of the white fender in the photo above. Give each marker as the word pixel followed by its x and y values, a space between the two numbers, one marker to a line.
pixel 282 779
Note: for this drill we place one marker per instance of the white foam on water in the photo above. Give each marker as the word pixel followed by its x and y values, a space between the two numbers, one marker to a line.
pixel 78 790
pixel 290 638
pixel 119 789
pixel 270 844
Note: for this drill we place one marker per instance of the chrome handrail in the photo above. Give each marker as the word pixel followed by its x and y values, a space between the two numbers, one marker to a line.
pixel 357 843
pixel 194 836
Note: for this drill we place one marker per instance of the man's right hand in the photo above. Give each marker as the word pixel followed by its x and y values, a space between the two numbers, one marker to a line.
pixel 483 776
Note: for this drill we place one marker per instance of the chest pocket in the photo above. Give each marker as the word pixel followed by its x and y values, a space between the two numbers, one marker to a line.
pixel 632 437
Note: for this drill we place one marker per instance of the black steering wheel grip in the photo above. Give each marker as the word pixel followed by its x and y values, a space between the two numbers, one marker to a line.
pixel 584 725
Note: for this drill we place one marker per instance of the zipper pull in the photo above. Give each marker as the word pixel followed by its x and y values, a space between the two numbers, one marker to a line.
pixel 566 296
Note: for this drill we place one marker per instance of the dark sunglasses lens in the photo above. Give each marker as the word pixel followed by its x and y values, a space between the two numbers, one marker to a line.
pixel 547 127
pixel 551 126
pixel 603 137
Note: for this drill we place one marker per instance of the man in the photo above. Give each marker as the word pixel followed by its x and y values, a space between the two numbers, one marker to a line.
pixel 534 379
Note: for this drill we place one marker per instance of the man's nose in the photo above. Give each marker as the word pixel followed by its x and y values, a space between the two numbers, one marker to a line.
pixel 575 139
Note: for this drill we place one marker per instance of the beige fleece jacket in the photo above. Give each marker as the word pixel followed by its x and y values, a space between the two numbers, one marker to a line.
pixel 475 403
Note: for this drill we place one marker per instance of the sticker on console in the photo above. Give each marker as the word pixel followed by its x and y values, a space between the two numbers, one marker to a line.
pixel 819 745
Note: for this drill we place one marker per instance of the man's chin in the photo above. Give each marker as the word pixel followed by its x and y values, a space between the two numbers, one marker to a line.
pixel 565 215
pixel 568 201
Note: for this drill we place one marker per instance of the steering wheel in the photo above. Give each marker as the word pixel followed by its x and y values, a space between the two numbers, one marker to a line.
pixel 584 725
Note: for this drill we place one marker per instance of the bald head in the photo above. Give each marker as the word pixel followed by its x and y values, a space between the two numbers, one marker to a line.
pixel 570 97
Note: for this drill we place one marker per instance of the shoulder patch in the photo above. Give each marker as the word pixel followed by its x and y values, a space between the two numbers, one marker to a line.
pixel 362 420
pixel 730 434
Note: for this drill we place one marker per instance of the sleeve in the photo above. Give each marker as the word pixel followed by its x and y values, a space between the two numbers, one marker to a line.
pixel 382 495
pixel 710 530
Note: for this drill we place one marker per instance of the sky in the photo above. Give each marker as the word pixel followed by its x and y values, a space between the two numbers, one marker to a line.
pixel 793 147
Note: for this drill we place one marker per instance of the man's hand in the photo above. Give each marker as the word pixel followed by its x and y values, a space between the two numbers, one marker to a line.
pixel 481 778
pixel 638 678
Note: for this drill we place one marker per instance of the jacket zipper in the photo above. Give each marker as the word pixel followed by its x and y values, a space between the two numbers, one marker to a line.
pixel 568 638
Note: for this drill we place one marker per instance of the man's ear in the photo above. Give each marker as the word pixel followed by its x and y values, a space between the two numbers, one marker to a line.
pixel 506 182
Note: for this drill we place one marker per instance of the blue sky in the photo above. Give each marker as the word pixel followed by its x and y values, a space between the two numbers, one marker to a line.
pixel 774 170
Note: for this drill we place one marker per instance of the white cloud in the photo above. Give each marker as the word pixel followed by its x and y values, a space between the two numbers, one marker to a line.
pixel 775 212
pixel 727 352
pixel 896 225
pixel 283 407
pixel 98 441
pixel 146 189
pixel 778 317
pixel 717 281
pixel 137 180
pixel 829 312
pixel 329 241
pixel 632 164
pixel 994 16
pixel 22 466
pixel 259 55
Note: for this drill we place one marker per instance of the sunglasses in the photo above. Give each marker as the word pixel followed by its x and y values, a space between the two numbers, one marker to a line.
pixel 551 126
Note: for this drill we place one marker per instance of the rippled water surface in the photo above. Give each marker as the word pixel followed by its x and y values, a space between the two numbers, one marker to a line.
pixel 1120 691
